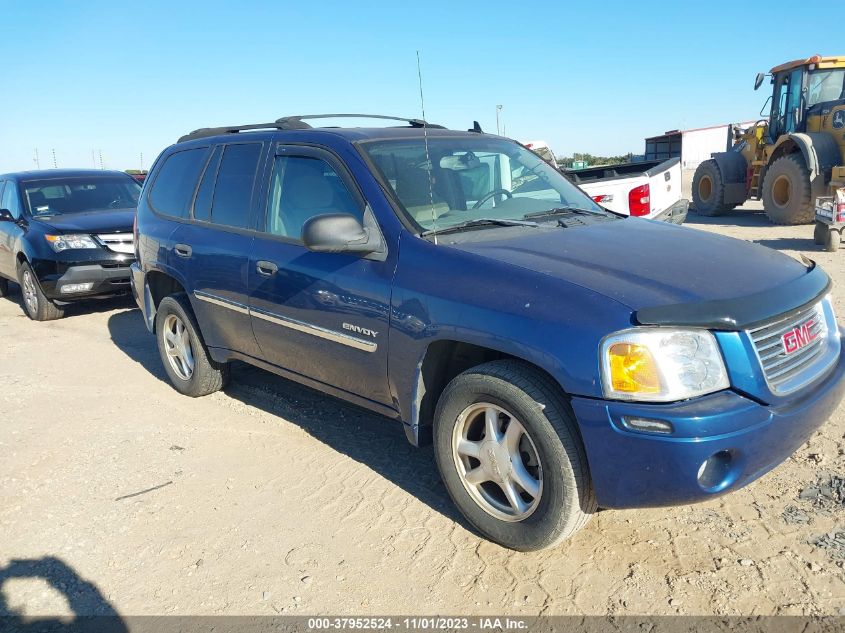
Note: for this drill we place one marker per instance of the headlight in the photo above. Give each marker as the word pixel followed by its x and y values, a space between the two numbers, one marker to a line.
pixel 661 364
pixel 66 242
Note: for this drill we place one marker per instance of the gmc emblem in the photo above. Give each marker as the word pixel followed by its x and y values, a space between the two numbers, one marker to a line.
pixel 799 337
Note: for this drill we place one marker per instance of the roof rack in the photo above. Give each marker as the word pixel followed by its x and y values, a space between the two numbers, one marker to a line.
pixel 298 123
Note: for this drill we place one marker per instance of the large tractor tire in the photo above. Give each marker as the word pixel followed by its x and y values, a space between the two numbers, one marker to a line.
pixel 786 191
pixel 708 190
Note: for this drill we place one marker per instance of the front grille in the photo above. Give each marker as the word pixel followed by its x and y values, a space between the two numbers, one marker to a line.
pixel 809 348
pixel 118 242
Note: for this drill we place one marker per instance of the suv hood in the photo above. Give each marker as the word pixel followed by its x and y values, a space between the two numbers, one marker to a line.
pixel 642 263
pixel 105 221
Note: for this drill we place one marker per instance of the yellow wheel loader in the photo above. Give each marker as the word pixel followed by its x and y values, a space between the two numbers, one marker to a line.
pixel 790 158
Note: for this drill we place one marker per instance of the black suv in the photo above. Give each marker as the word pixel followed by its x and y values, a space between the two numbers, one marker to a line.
pixel 66 235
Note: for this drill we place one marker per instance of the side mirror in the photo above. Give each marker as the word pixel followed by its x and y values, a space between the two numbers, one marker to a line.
pixel 758 80
pixel 341 233
pixel 6 216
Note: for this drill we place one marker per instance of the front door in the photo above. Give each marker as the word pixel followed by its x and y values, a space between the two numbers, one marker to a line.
pixel 787 105
pixel 9 231
pixel 321 315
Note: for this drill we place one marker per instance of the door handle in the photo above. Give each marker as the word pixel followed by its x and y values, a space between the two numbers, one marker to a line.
pixel 266 268
pixel 183 250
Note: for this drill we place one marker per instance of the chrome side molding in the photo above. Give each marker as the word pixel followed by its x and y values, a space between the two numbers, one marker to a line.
pixel 293 324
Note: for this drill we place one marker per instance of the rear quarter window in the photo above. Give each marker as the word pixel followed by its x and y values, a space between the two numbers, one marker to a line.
pixel 174 186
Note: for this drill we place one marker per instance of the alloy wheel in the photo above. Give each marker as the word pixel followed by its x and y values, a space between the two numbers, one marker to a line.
pixel 30 296
pixel 497 462
pixel 177 345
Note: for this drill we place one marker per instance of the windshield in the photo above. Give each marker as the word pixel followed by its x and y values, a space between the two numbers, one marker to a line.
pixel 467 178
pixel 825 85
pixel 56 196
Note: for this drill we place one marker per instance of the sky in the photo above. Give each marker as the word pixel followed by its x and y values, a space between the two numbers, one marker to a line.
pixel 123 80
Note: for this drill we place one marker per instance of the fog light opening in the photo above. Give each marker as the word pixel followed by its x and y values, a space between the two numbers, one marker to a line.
pixel 648 425
pixel 70 288
pixel 714 471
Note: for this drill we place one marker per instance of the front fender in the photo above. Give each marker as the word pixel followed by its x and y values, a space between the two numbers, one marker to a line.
pixel 734 169
pixel 820 152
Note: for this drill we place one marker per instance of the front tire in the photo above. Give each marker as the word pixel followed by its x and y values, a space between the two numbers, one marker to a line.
pixel 832 240
pixel 708 190
pixel 4 287
pixel 183 353
pixel 819 232
pixel 786 191
pixel 36 305
pixel 509 452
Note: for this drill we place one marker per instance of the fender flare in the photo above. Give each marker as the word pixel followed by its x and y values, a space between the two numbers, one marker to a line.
pixel 733 166
pixel 149 310
pixel 734 170
pixel 416 430
pixel 820 153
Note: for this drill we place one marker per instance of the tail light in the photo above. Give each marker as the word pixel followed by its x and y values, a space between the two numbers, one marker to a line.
pixel 639 200
pixel 839 204
pixel 135 233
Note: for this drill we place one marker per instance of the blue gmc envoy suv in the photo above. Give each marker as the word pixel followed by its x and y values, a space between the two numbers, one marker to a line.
pixel 559 356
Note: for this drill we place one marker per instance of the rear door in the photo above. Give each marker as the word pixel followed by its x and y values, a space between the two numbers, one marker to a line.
pixel 218 243
pixel 321 315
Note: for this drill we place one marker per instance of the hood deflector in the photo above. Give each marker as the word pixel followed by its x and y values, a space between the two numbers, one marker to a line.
pixel 743 312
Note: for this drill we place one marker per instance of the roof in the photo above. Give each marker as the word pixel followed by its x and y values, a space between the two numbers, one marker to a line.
pixel 821 62
pixel 350 134
pixel 414 128
pixel 699 129
pixel 45 174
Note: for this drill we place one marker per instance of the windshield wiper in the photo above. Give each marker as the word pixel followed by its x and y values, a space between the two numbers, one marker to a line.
pixel 478 222
pixel 560 211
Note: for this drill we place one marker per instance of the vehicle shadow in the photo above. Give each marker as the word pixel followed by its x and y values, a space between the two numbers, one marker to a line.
pixel 740 216
pixel 368 438
pixel 91 306
pixel 130 335
pixel 83 598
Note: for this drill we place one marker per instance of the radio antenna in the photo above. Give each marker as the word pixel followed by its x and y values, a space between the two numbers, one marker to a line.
pixel 427 155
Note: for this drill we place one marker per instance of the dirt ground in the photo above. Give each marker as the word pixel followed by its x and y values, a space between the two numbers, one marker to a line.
pixel 272 499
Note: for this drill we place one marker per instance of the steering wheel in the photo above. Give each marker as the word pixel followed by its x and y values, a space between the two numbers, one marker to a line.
pixel 487 196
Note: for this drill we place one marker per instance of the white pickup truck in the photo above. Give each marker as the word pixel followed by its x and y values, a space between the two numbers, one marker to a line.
pixel 648 189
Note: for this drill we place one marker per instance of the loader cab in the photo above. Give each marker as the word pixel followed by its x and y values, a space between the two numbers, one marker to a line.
pixel 788 108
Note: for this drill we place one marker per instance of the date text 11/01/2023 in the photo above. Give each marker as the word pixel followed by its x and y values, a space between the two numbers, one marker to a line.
pixel 433 623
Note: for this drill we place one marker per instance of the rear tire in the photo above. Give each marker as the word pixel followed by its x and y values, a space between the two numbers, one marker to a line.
pixel 832 240
pixel 532 486
pixel 4 287
pixel 819 232
pixel 186 361
pixel 786 191
pixel 708 190
pixel 36 305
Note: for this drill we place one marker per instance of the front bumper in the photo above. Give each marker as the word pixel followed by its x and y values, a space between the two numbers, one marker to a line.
pixel 106 278
pixel 633 469
pixel 676 214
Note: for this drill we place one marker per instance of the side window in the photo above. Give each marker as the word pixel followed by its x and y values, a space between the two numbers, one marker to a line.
pixel 173 188
pixel 10 199
pixel 202 204
pixel 302 188
pixel 233 190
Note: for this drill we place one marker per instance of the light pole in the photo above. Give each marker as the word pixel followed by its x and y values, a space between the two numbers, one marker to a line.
pixel 498 109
